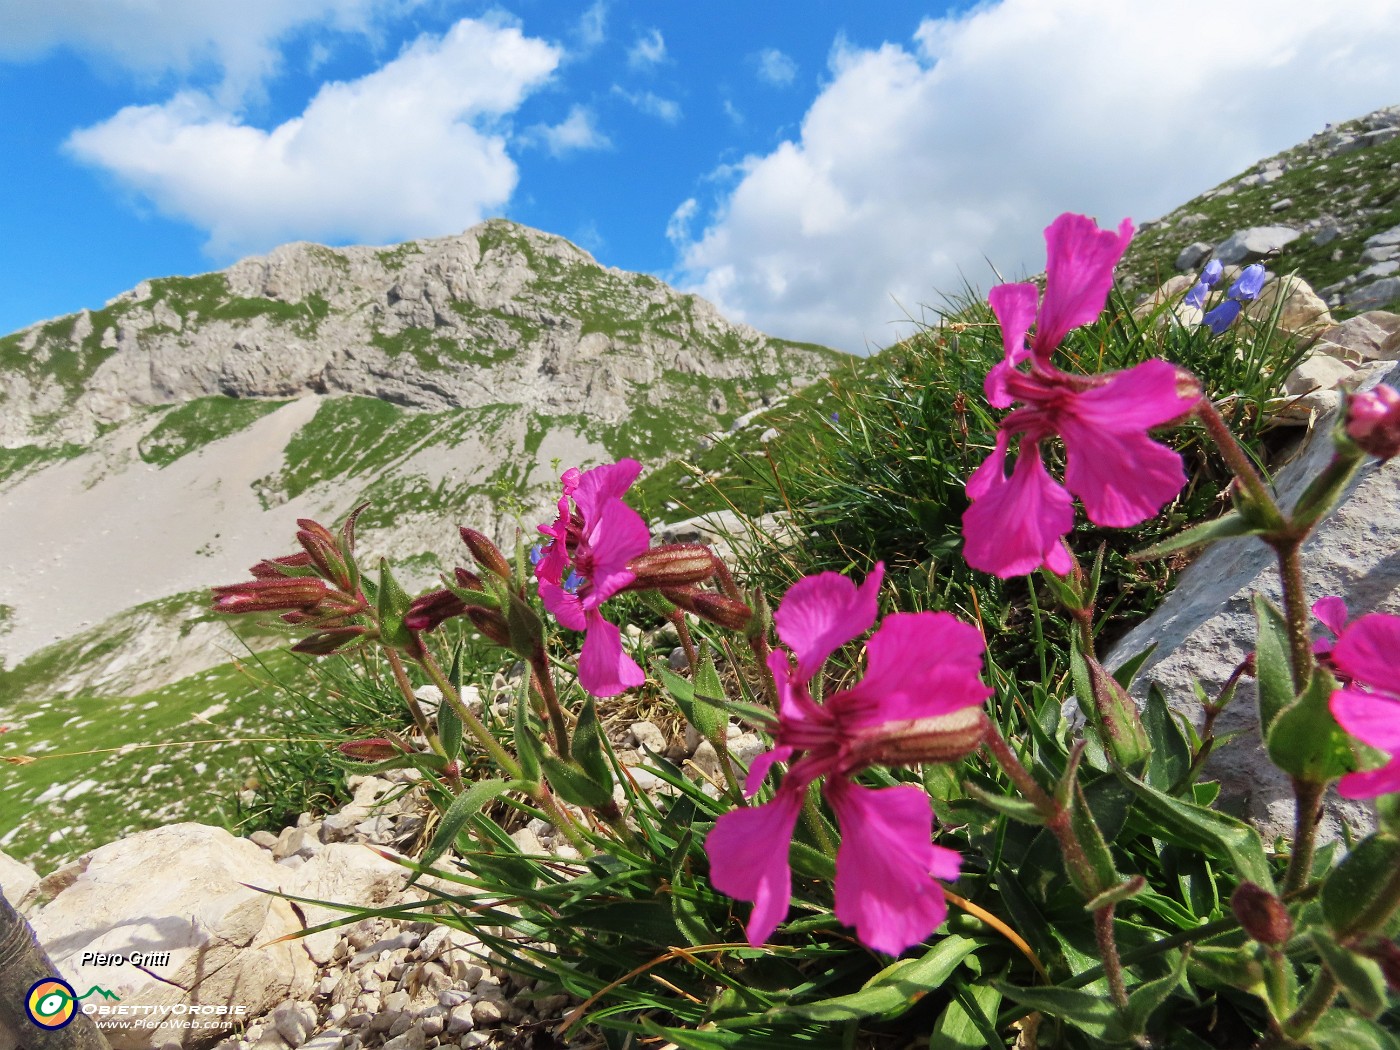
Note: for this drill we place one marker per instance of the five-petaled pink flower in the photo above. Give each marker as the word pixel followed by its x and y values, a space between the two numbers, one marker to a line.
pixel 922 668
pixel 1017 524
pixel 1368 653
pixel 585 563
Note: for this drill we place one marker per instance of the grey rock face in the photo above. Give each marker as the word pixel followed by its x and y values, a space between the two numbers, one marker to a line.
pixel 1374 295
pixel 1205 628
pixel 1253 243
pixel 1193 255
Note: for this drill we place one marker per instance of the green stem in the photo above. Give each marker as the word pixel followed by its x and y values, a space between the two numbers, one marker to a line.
pixel 474 725
pixel 1307 804
pixel 406 688
pixel 1315 1003
pixel 1236 458
pixel 812 817
pixel 544 685
pixel 1295 609
pixel 564 821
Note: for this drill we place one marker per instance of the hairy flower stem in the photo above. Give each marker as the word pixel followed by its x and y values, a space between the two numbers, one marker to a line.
pixel 474 725
pixel 1057 820
pixel 544 686
pixel 1108 948
pixel 677 619
pixel 564 821
pixel 406 688
pixel 1295 609
pixel 1235 457
pixel 1307 805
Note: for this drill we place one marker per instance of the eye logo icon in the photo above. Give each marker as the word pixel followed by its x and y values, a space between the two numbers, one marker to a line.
pixel 51 1003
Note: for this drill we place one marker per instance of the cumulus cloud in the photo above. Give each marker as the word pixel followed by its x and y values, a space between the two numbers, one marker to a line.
pixel 917 160
pixel 575 132
pixel 413 149
pixel 652 104
pixel 239 41
pixel 648 51
pixel 678 226
pixel 774 67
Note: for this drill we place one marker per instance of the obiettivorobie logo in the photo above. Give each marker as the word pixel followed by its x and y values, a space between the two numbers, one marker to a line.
pixel 52 1003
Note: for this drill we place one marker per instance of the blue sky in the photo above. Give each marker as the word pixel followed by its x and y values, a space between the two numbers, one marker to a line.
pixel 817 169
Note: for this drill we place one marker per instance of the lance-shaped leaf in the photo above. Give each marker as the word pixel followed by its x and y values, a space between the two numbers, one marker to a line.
pixel 463 808
pixel 392 603
pixel 1273 665
pixel 573 785
pixel 1305 741
pixel 1225 527
pixel 1350 893
pixel 1361 979
pixel 587 747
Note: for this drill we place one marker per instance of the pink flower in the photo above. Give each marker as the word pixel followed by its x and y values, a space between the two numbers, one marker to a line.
pixel 1017 524
pixel 585 563
pixel 1368 653
pixel 1331 612
pixel 920 698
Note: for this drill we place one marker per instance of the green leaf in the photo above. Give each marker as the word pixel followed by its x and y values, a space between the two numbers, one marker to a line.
pixel 1350 891
pixel 449 722
pixel 701 701
pixel 1343 1030
pixel 891 991
pixel 1147 997
pixel 1109 709
pixel 1171 754
pixel 463 808
pixel 1206 830
pixel 1361 978
pixel 391 604
pixel 527 740
pixel 1225 527
pixel 573 785
pixel 1216 967
pixel 588 747
pixel 1272 663
pixel 969 1022
pixel 1096 850
pixel 1090 1012
pixel 1129 668
pixel 1012 806
pixel 1305 741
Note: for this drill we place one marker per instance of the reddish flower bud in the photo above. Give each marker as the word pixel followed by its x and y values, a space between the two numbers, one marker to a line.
pixel 486 553
pixel 270 595
pixel 426 612
pixel 491 624
pixel 332 640
pixel 1373 421
pixel 716 608
pixel 1263 916
pixel 272 568
pixel 672 565
pixel 376 749
pixel 945 738
pixel 468 581
pixel 1387 954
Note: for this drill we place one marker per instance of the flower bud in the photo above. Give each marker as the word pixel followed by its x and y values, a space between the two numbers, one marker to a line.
pixel 321 548
pixel 715 608
pixel 270 595
pixel 332 640
pixel 491 624
pixel 1387 955
pixel 278 568
pixel 1373 421
pixel 431 609
pixel 486 553
pixel 376 749
pixel 1263 916
pixel 672 565
pixel 946 738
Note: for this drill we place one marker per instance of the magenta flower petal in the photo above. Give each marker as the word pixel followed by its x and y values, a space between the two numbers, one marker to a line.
pixel 1078 275
pixel 1017 524
pixel 883 883
pixel 1014 306
pixel 1122 479
pixel 598 485
pixel 1375 721
pixel 563 606
pixel 603 668
pixel 991 471
pixel 616 534
pixel 748 851
pixel 1369 651
pixel 760 767
pixel 821 613
pixel 1135 400
pixel 896 688
pixel 1331 612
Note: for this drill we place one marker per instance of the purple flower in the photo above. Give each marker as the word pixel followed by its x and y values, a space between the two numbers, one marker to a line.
pixel 1197 296
pixel 1245 289
pixel 920 699
pixel 584 563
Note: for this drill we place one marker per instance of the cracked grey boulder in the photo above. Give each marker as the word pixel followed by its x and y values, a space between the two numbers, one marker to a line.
pixel 1244 246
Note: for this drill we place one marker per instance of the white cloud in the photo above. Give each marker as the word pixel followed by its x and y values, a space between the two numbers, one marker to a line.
pixel 914 162
pixel 678 226
pixel 649 50
pixel 733 112
pixel 575 132
pixel 410 150
pixel 651 104
pixel 592 25
pixel 775 68
pixel 239 41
